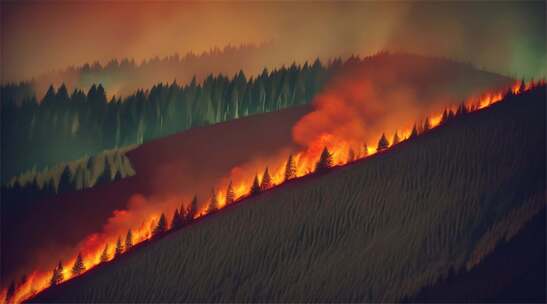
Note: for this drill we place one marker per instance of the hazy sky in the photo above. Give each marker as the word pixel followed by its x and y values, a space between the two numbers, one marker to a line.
pixel 37 36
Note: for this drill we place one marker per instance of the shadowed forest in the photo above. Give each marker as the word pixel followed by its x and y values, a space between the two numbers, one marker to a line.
pixel 324 237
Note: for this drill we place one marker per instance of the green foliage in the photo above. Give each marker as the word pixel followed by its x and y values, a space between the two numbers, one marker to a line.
pixel 76 175
pixel 375 231
pixel 65 126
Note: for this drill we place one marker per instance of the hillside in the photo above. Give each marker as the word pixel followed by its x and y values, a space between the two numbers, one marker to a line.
pixel 380 229
pixel 192 161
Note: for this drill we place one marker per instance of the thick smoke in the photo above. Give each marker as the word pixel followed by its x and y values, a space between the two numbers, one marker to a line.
pixel 386 94
pixel 505 37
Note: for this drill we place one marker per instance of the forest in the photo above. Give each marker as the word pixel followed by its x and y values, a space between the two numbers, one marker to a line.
pixel 326 236
pixel 64 126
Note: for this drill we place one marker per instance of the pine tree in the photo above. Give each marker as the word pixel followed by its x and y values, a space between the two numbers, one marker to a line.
pixel 427 124
pixel 290 169
pixel 396 139
pixel 365 150
pixel 255 188
pixel 266 181
pixel 325 161
pixel 230 195
pixel 79 266
pixel 104 255
pixel 522 86
pixel 192 209
pixel 414 132
pixel 57 276
pixel 444 118
pixel 175 222
pixel 351 155
pixel 383 143
pixel 161 227
pixel 213 204
pixel 119 248
pixel 128 240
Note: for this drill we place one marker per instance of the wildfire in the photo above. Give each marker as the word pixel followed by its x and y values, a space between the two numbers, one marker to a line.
pixel 96 250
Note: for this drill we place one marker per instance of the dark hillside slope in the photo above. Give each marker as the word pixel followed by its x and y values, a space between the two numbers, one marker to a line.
pixel 377 230
pixel 188 162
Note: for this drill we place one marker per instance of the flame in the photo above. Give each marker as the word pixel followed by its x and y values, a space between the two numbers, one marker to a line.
pixel 92 247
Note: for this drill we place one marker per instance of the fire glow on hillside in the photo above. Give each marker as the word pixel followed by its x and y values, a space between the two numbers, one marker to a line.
pixel 96 249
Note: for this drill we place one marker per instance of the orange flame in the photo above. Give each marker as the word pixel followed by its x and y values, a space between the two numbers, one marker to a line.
pixel 93 246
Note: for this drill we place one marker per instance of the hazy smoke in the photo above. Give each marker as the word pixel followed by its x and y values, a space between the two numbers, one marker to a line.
pixel 506 37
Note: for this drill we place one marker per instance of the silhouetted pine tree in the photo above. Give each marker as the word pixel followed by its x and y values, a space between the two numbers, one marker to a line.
pixel 119 248
pixel 79 266
pixel 414 132
pixel 444 117
pixel 176 221
pixel 427 124
pixel 290 169
pixel 325 161
pixel 57 276
pixel 351 155
pixel 213 204
pixel 396 139
pixel 255 188
pixel 161 227
pixel 383 143
pixel 128 240
pixel 192 209
pixel 230 195
pixel 104 255
pixel 266 181
pixel 65 182
pixel 364 151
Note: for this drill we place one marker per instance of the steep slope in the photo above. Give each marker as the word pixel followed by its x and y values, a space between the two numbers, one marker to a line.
pixel 376 230
pixel 36 232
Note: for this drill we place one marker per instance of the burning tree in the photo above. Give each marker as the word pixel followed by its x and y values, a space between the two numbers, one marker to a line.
pixel 176 222
pixel 161 227
pixel 396 138
pixel 128 240
pixel 104 255
pixel 427 125
pixel 213 204
pixel 351 155
pixel 383 143
pixel 119 248
pixel 266 181
pixel 365 150
pixel 414 132
pixel 192 209
pixel 325 161
pixel 255 188
pixel 230 195
pixel 78 267
pixel 57 276
pixel 290 169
